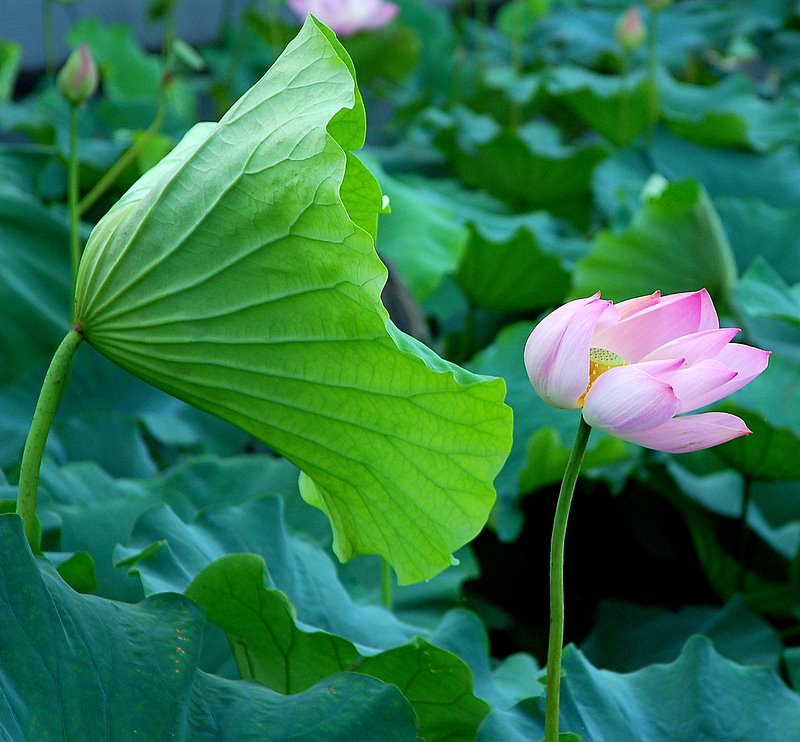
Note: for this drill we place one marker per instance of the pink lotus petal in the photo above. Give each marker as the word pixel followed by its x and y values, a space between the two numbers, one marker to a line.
pixel 557 351
pixel 747 361
pixel 672 317
pixel 694 347
pixel 627 308
pixel 690 433
pixel 627 399
pixel 694 383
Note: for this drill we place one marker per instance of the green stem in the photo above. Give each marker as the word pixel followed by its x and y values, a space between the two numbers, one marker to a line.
pixel 556 639
pixel 43 416
pixel 111 175
pixel 386 584
pixel 74 216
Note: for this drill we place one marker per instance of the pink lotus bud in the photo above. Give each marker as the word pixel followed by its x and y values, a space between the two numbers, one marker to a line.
pixel 630 30
pixel 77 81
pixel 636 368
pixel 346 17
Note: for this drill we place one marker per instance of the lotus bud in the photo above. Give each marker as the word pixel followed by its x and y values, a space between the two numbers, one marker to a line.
pixel 630 30
pixel 77 81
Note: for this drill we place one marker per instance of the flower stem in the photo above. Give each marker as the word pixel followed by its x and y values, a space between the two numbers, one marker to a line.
pixel 386 584
pixel 127 157
pixel 74 216
pixel 556 639
pixel 43 416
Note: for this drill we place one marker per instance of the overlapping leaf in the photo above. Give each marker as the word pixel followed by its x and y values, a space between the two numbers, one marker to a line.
pixel 81 667
pixel 699 696
pixel 34 276
pixel 233 277
pixel 675 243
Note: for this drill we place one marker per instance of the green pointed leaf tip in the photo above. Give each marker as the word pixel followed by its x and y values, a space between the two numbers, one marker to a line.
pixel 235 276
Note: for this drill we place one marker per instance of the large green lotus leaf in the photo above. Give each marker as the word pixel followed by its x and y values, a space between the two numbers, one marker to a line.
pixel 105 415
pixel 34 279
pixel 168 551
pixel 617 185
pixel 768 404
pixel 529 167
pixel 461 632
pixel 500 247
pixel 232 276
pixel 615 106
pixel 84 509
pixel 728 114
pixel 420 236
pixel 516 263
pixel 775 394
pixel 773 178
pixel 771 453
pixel 627 637
pixel 531 416
pixel 695 497
pixel 759 230
pixel 510 96
pixel 762 292
pixel 674 243
pixel 700 696
pixel 721 492
pixel 271 646
pixel 368 52
pixel 422 604
pixel 686 30
pixel 791 659
pixel 81 667
pixel 434 74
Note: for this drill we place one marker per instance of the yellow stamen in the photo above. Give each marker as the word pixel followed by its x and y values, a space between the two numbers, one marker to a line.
pixel 600 361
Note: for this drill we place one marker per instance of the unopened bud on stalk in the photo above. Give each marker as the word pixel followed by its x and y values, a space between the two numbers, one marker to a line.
pixel 77 81
pixel 630 31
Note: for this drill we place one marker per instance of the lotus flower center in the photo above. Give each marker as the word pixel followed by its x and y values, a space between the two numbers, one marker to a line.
pixel 600 361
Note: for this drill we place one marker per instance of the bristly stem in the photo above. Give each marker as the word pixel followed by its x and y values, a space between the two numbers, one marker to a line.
pixel 74 216
pixel 49 397
pixel 386 584
pixel 556 639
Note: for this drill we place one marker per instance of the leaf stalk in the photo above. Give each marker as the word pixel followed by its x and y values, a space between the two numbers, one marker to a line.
pixel 43 416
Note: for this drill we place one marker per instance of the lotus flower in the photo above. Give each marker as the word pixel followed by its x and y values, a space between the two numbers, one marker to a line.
pixel 345 17
pixel 636 368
